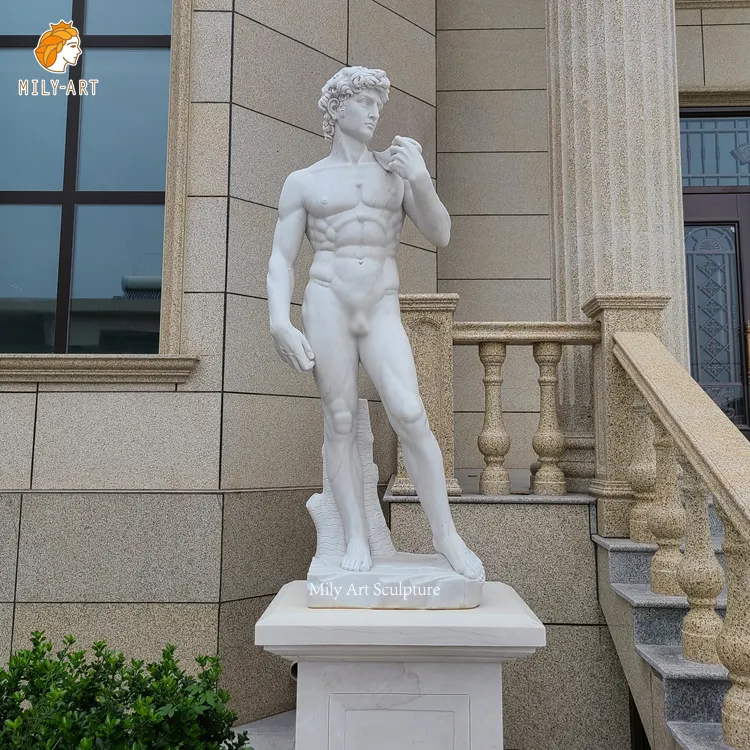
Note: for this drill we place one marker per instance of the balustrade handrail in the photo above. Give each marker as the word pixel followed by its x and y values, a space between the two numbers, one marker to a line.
pixel 472 333
pixel 716 449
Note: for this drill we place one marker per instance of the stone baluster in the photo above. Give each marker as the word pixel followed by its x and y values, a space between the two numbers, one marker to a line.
pixel 428 321
pixel 494 441
pixel 548 441
pixel 666 518
pixel 733 643
pixel 642 470
pixel 699 574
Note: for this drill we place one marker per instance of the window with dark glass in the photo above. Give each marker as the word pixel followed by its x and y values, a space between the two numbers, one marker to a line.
pixel 82 182
pixel 715 149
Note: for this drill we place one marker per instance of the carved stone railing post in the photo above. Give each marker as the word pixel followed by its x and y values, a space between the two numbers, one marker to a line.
pixel 642 470
pixel 613 419
pixel 733 643
pixel 494 441
pixel 548 441
pixel 428 320
pixel 700 575
pixel 666 518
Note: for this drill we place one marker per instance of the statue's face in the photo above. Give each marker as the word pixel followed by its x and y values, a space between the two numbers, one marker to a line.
pixel 360 114
pixel 71 51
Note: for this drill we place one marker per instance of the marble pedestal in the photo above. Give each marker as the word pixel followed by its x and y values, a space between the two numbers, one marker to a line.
pixel 400 679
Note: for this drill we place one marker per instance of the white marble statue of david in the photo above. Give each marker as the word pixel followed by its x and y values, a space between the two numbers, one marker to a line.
pixel 351 207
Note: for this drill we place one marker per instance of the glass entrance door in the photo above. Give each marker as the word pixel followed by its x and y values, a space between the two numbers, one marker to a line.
pixel 717 247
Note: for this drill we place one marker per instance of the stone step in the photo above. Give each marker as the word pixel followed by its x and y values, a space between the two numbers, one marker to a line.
pixel 692 691
pixel 630 562
pixel 697 735
pixel 271 733
pixel 717 527
pixel 657 619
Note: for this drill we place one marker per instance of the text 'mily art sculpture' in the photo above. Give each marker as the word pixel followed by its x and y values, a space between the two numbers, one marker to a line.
pixel 351 207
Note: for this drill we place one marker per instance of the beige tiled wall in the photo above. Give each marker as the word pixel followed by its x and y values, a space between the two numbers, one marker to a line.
pixel 545 552
pixel 713 48
pixel 494 177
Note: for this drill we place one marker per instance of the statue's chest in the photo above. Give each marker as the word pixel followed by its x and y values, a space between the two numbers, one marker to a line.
pixel 340 190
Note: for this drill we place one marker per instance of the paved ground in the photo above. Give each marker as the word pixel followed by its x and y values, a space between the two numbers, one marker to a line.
pixel 273 733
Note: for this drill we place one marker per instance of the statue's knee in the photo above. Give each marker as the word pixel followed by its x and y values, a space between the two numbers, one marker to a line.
pixel 411 410
pixel 343 422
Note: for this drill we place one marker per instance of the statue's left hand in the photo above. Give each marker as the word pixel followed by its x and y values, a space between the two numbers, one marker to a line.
pixel 406 159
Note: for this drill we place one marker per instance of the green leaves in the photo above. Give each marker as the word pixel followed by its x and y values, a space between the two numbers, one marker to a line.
pixel 66 701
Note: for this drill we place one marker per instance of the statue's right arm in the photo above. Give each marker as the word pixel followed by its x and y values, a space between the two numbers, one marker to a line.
pixel 291 344
pixel 287 240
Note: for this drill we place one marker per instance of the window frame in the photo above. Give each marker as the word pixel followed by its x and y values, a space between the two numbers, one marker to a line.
pixel 171 364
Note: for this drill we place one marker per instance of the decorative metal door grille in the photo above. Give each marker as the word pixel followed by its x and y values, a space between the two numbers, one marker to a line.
pixel 716 350
pixel 715 151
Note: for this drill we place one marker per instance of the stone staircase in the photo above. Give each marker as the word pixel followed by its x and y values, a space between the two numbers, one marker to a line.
pixel 679 701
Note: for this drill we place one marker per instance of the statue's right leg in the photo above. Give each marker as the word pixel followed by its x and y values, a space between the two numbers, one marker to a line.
pixel 336 372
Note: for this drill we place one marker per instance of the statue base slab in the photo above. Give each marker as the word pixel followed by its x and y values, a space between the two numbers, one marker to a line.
pixel 399 581
pixel 399 680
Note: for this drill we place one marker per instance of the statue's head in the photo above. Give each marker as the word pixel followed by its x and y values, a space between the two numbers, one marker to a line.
pixel 352 100
pixel 59 47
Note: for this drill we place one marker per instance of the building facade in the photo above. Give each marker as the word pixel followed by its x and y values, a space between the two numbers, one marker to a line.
pixel 157 456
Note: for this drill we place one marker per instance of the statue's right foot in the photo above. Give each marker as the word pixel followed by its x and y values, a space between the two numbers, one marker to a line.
pixel 357 555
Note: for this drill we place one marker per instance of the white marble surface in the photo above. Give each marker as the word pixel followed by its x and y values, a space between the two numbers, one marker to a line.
pixel 271 733
pixel 400 581
pixel 502 627
pixel 371 679
pixel 351 206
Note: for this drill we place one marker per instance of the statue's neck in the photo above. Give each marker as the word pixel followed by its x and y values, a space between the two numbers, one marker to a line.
pixel 347 150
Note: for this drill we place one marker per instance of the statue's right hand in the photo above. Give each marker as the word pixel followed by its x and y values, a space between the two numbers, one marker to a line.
pixel 293 348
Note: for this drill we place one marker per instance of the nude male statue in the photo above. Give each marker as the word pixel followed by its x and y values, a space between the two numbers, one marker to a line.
pixel 351 206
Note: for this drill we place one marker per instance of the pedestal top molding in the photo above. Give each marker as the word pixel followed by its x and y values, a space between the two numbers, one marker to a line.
pixel 710 4
pixel 500 629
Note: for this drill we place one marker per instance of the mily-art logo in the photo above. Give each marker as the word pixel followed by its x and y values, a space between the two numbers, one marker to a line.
pixel 58 48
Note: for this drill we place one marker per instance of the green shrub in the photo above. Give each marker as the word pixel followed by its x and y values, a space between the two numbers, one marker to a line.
pixel 68 702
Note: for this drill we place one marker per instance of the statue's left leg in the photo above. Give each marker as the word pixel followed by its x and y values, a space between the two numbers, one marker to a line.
pixel 386 357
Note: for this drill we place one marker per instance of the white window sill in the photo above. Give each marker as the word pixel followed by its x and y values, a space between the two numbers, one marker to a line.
pixel 96 368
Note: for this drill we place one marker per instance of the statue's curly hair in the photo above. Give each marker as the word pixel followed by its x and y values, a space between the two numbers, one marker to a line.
pixel 52 41
pixel 346 83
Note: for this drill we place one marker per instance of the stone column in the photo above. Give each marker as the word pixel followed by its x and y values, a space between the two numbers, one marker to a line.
pixel 616 186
